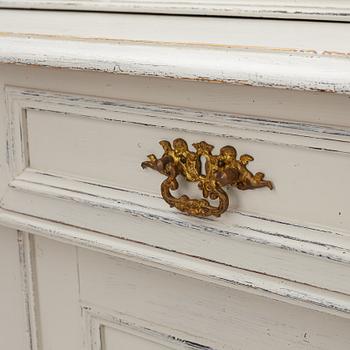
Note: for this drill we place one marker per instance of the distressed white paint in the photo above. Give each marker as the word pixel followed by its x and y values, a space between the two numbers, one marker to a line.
pixel 279 104
pixel 108 331
pixel 105 263
pixel 238 313
pixel 59 322
pixel 70 147
pixel 156 47
pixel 14 330
pixel 300 71
pixel 335 10
pixel 96 189
pixel 306 36
pixel 26 252
pixel 159 307
pixel 219 274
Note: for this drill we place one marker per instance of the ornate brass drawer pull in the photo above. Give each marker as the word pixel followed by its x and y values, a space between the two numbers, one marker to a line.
pixel 221 170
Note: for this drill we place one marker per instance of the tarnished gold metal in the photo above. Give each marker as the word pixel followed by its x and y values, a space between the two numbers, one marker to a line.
pixel 220 170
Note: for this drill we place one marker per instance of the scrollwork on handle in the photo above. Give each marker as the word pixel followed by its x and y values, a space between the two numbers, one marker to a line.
pixel 221 170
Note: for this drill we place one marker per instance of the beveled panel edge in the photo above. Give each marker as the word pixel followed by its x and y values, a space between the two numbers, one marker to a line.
pixel 278 132
pixel 309 10
pixel 256 283
pixel 26 253
pixel 321 243
pixel 95 319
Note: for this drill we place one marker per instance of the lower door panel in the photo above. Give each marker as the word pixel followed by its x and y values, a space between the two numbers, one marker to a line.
pixel 81 299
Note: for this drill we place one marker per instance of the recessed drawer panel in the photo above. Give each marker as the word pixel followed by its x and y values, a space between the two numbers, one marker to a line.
pixel 99 150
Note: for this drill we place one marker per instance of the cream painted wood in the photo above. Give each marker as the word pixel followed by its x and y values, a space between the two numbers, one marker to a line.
pixel 264 53
pixel 80 180
pixel 335 10
pixel 281 104
pixel 72 129
pixel 15 332
pixel 234 239
pixel 58 316
pixel 103 262
pixel 223 275
pixel 254 34
pixel 115 303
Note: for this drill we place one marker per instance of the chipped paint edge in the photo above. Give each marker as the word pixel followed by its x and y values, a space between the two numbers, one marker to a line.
pixel 230 277
pixel 287 70
pixel 95 319
pixel 55 186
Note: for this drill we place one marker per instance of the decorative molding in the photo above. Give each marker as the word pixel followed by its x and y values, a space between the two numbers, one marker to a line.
pixel 26 258
pixel 248 228
pixel 264 67
pixel 256 283
pixel 96 320
pixel 337 10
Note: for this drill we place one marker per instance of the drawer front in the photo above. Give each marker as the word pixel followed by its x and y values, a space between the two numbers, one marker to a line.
pixel 102 142
pixel 75 159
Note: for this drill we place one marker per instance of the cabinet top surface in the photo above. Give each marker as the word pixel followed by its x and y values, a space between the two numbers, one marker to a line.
pixel 336 10
pixel 302 55
pixel 286 35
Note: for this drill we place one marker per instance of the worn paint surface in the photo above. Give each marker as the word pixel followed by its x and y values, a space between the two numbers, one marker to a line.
pixel 287 70
pixel 84 198
pixel 337 10
pixel 114 302
pixel 252 280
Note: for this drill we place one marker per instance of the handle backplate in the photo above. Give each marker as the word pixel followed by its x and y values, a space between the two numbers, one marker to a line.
pixel 221 170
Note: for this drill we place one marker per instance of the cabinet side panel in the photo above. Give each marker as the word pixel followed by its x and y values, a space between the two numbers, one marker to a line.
pixel 14 333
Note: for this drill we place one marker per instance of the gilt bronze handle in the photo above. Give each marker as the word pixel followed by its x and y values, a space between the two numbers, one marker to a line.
pixel 221 170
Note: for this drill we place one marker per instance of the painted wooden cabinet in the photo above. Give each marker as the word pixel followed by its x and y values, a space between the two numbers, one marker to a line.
pixel 92 257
